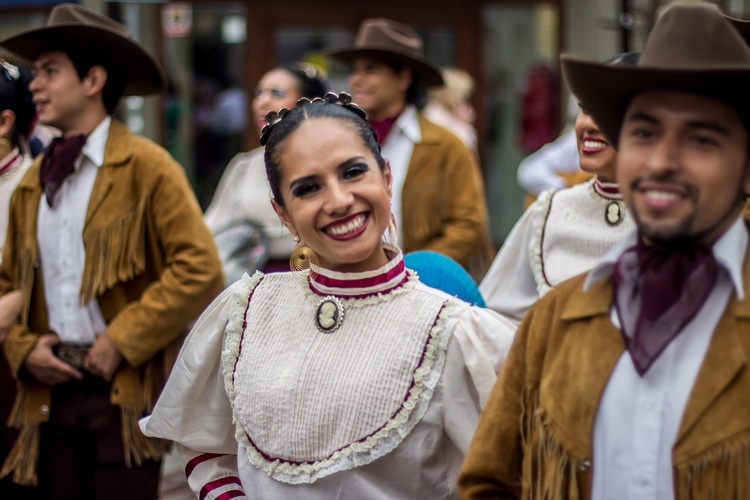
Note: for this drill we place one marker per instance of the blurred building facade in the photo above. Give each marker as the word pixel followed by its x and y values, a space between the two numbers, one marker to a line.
pixel 214 52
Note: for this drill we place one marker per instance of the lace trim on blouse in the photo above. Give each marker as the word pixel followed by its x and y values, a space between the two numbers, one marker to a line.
pixel 364 451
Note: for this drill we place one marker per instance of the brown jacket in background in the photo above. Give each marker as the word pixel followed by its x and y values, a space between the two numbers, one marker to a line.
pixel 150 263
pixel 443 201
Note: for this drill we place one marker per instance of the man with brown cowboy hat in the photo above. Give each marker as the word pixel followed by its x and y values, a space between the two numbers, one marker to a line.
pixel 438 197
pixel 107 244
pixel 632 381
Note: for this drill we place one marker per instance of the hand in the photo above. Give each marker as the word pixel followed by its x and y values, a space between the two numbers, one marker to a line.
pixel 103 359
pixel 45 366
pixel 10 309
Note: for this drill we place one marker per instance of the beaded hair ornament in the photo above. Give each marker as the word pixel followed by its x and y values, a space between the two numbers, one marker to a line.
pixel 342 99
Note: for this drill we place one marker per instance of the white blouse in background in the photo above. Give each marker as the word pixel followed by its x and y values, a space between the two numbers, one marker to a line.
pixel 245 194
pixel 562 234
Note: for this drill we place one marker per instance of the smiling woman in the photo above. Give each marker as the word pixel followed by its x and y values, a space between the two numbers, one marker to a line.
pixel 356 378
pixel 566 230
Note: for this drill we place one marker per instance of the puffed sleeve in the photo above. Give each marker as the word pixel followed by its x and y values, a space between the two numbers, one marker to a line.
pixel 194 410
pixel 509 287
pixel 476 352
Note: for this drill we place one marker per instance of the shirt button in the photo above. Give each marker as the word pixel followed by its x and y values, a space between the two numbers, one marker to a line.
pixel 44 409
pixel 649 404
pixel 585 465
pixel 643 481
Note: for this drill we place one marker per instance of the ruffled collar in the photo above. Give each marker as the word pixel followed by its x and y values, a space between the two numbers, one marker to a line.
pixel 607 190
pixel 380 281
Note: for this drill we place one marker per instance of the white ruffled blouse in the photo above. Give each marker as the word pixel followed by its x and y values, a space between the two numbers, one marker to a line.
pixel 562 234
pixel 263 403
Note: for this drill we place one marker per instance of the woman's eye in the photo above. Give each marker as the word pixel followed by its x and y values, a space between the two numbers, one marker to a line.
pixel 304 189
pixel 278 93
pixel 355 170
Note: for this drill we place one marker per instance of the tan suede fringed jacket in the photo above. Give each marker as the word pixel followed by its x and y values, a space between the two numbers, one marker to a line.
pixel 150 263
pixel 534 439
pixel 443 201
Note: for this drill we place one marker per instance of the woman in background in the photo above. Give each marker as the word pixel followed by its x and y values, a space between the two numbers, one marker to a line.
pixel 17 118
pixel 564 232
pixel 450 105
pixel 240 215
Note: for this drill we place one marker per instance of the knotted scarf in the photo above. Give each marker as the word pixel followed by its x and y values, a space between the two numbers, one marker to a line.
pixel 58 163
pixel 657 291
pixel 382 128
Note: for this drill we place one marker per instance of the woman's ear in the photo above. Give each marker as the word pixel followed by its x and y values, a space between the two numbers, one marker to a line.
pixel 284 217
pixel 7 121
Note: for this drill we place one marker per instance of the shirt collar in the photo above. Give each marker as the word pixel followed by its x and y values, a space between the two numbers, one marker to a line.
pixel 729 251
pixel 408 124
pixel 96 142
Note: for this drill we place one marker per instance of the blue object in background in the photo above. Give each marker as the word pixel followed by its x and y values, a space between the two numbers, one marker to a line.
pixel 442 272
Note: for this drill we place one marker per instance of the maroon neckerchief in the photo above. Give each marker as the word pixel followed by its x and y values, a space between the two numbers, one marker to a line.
pixel 657 291
pixel 383 127
pixel 58 163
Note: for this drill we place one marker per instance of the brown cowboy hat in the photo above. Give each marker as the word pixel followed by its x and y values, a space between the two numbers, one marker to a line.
pixel 73 27
pixel 391 41
pixel 692 49
pixel 742 26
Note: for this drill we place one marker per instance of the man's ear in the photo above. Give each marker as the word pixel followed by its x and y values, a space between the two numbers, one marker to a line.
pixel 284 217
pixel 405 78
pixel 96 79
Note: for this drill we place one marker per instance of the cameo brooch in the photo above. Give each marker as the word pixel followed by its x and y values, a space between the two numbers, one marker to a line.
pixel 614 214
pixel 329 314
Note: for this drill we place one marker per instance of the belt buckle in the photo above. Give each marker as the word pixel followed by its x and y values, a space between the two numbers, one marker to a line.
pixel 73 355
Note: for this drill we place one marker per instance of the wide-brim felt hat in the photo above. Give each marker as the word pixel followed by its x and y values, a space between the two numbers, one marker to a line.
pixel 384 39
pixel 692 49
pixel 742 26
pixel 71 27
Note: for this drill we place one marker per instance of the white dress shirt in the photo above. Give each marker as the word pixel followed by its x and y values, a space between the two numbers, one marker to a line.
pixel 639 417
pixel 61 250
pixel 397 150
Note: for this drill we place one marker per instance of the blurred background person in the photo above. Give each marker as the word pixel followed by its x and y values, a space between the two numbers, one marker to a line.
pixel 556 164
pixel 17 117
pixel 564 232
pixel 450 105
pixel 247 231
pixel 438 192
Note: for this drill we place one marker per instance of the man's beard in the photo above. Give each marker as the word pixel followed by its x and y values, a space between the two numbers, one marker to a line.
pixel 679 232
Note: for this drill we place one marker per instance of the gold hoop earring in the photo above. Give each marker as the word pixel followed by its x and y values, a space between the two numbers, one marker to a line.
pixel 390 238
pixel 302 258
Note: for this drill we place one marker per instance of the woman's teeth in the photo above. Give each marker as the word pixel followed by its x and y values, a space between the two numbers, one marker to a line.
pixel 588 144
pixel 350 227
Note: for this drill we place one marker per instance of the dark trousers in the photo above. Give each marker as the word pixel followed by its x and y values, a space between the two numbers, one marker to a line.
pixel 81 452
